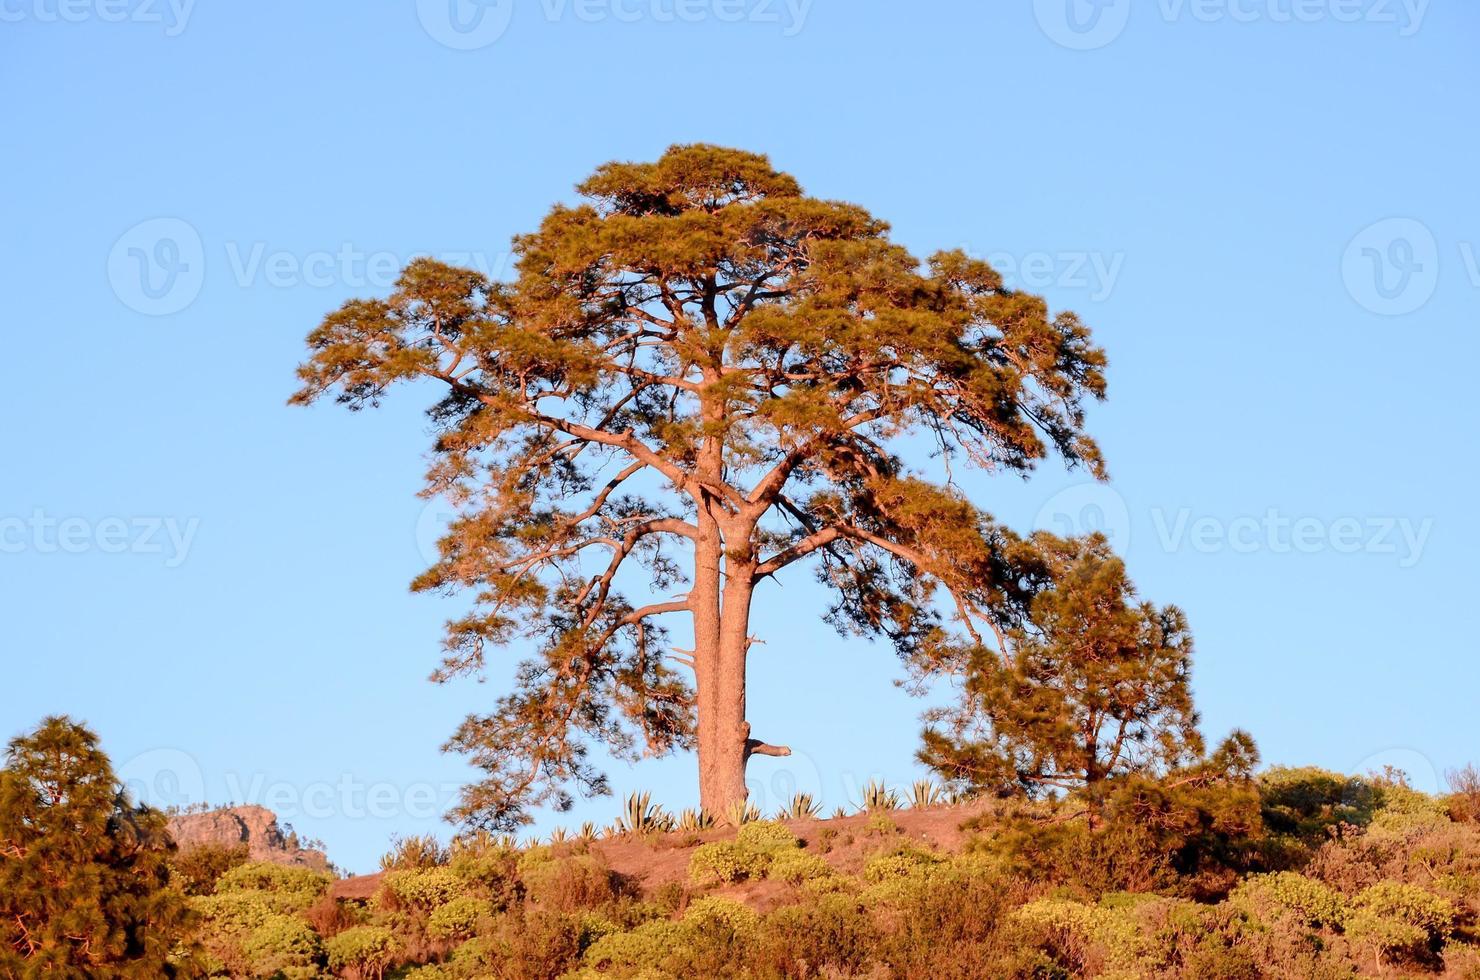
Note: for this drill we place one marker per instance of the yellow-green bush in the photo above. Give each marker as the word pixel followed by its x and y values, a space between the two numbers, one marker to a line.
pixel 766 837
pixel 1310 902
pixel 1093 933
pixel 234 912
pixel 287 889
pixel 286 945
pixel 725 862
pixel 423 888
pixel 643 948
pixel 898 864
pixel 456 918
pixel 796 867
pixel 733 915
pixel 1406 811
pixel 1410 905
pixel 367 950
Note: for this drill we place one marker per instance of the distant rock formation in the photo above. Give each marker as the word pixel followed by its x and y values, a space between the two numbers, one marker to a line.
pixel 255 826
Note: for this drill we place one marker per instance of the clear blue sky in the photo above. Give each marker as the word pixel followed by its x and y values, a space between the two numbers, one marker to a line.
pixel 217 582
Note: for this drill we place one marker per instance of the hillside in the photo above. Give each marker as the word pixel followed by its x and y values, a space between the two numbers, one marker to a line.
pixel 1295 873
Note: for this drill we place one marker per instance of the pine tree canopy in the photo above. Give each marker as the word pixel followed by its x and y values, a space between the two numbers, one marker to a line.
pixel 84 878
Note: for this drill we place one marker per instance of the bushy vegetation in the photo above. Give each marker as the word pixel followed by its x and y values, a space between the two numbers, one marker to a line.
pixel 1206 872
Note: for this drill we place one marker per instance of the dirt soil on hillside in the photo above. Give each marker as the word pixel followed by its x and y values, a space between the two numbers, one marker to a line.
pixel 844 842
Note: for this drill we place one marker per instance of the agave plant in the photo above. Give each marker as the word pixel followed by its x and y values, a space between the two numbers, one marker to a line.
pixel 877 796
pixel 742 812
pixel 801 807
pixel 588 832
pixel 839 813
pixel 559 836
pixel 642 816
pixel 414 852
pixel 925 793
pixel 694 820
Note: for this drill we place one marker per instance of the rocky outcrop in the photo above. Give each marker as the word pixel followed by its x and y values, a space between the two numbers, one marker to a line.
pixel 255 826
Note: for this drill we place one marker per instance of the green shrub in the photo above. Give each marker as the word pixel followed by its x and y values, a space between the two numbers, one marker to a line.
pixel 283 944
pixel 288 889
pixel 725 862
pixel 365 950
pixel 423 888
pixel 643 948
pixel 456 918
pixel 1404 811
pixel 1387 938
pixel 488 867
pixel 766 837
pixel 732 915
pixel 1310 902
pixel 234 912
pixel 899 864
pixel 797 866
pixel 1089 931
pixel 1411 905
pixel 432 972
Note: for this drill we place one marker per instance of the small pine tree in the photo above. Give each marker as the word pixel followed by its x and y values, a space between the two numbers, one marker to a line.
pixel 1092 684
pixel 84 873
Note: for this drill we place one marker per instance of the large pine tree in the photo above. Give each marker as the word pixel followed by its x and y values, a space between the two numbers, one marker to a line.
pixel 702 375
pixel 84 875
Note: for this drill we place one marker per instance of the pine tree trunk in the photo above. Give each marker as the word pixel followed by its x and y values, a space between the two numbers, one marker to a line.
pixel 722 767
pixel 721 643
